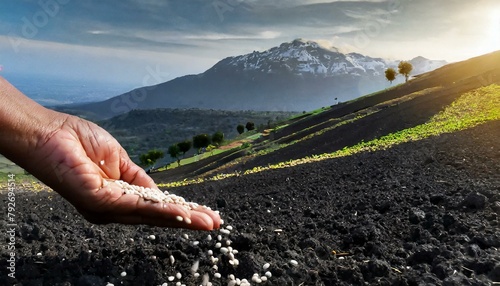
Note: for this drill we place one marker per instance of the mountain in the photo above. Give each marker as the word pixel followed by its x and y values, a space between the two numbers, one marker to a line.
pixel 303 58
pixel 423 65
pixel 295 76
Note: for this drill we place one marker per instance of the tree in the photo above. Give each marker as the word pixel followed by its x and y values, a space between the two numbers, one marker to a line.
pixel 405 69
pixel 240 129
pixel 201 141
pixel 174 152
pixel 218 138
pixel 390 74
pixel 184 146
pixel 151 157
pixel 250 126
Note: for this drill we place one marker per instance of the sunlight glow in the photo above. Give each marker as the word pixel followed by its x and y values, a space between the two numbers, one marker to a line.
pixel 494 30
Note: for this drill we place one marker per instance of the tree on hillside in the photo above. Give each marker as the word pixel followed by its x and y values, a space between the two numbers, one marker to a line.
pixel 151 157
pixel 174 152
pixel 390 74
pixel 184 146
pixel 405 69
pixel 201 141
pixel 240 128
pixel 250 126
pixel 218 138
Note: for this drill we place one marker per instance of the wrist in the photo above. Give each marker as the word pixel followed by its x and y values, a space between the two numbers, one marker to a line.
pixel 24 124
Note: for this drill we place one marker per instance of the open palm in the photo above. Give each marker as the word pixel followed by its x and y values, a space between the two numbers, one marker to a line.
pixel 77 159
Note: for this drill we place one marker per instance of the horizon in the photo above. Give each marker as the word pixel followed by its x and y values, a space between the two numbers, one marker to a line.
pixel 95 41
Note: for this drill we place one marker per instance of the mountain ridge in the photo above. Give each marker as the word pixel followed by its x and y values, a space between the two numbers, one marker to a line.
pixel 308 54
pixel 295 76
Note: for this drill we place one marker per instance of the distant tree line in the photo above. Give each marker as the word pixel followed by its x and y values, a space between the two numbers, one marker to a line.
pixel 200 142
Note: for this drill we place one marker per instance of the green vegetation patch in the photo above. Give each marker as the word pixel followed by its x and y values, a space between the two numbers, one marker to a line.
pixel 470 110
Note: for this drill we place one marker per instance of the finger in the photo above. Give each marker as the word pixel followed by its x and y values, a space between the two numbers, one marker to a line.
pixel 146 212
pixel 133 174
pixel 214 216
pixel 100 147
pixel 201 221
pixel 114 200
pixel 132 209
pixel 204 216
pixel 133 204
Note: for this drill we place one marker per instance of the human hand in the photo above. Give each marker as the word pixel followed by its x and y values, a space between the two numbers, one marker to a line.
pixel 75 160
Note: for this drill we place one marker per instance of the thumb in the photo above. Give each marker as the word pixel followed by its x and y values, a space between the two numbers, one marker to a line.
pixel 133 174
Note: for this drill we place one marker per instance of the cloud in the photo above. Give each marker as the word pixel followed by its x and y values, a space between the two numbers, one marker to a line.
pixel 113 64
pixel 117 36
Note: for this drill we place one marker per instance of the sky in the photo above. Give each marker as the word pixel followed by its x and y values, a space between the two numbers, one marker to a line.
pixel 145 42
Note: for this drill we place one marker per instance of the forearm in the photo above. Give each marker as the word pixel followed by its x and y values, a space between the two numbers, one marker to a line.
pixel 24 124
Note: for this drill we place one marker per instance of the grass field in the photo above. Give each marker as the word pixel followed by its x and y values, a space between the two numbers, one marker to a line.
pixel 7 167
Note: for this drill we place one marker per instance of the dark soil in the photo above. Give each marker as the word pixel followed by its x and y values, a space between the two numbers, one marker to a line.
pixel 422 213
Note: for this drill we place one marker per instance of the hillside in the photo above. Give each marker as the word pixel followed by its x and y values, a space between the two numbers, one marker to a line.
pixel 399 187
pixel 364 119
pixel 295 76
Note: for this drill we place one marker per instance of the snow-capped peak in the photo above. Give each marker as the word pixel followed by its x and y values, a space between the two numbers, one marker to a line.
pixel 308 58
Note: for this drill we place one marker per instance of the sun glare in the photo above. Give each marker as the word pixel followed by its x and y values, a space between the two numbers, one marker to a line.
pixel 494 30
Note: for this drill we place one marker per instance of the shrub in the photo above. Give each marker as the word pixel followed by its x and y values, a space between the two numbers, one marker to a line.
pixel 250 126
pixel 151 157
pixel 201 141
pixel 240 129
pixel 218 138
pixel 184 146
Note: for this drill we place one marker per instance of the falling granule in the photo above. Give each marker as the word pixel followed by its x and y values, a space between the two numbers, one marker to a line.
pixel 206 279
pixel 195 266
